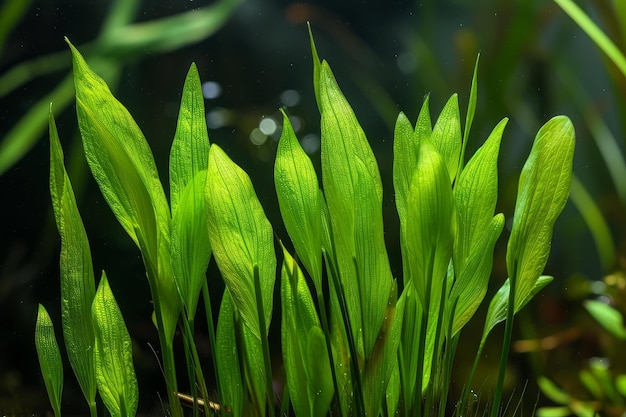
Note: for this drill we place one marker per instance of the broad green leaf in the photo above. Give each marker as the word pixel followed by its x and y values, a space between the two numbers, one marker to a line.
pixel 475 196
pixel 499 304
pixel 446 135
pixel 190 148
pixel 191 248
pixel 429 222
pixel 49 358
pixel 543 190
pixel 189 156
pixel 122 164
pixel 113 354
pixel 472 280
pixel 307 366
pixel 228 358
pixel 298 195
pixel 373 270
pixel 76 272
pixel 383 360
pixel 320 389
pixel 353 191
pixel 608 317
pixel 241 237
pixel 405 151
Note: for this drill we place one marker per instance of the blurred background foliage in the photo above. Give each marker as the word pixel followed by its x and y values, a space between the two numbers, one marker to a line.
pixel 254 58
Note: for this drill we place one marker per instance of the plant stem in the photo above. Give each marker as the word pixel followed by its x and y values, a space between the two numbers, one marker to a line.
pixel 508 332
pixel 211 329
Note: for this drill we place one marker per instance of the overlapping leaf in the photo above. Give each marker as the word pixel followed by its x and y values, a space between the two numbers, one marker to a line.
pixel 123 166
pixel 299 199
pixel 353 191
pixel 189 156
pixel 307 365
pixel 76 272
pixel 241 237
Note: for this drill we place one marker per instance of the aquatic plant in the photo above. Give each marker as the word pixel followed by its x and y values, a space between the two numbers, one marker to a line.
pixel 355 340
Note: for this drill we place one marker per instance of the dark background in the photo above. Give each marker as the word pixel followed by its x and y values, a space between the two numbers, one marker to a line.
pixel 387 56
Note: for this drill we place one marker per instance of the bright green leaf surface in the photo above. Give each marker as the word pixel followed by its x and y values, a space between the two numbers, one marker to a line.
pixel 76 272
pixel 189 156
pixel 49 358
pixel 543 190
pixel 241 237
pixel 430 209
pixel 298 195
pixel 307 366
pixel 353 190
pixel 190 148
pixel 113 355
pixel 228 358
pixel 446 135
pixel 122 164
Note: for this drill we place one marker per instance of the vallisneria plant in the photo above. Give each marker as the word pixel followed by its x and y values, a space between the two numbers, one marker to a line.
pixel 355 340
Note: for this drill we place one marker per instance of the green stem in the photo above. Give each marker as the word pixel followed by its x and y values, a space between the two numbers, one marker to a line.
pixel 211 329
pixel 508 333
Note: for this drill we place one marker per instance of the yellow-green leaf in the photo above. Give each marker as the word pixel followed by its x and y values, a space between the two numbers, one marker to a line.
pixel 49 358
pixel 543 190
pixel 113 354
pixel 298 195
pixel 241 237
pixel 76 272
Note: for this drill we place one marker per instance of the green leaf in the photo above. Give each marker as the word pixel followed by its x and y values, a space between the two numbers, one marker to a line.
pixel 123 166
pixel 383 360
pixel 189 157
pixel 429 223
pixel 241 237
pixel 307 365
pixel 227 352
pixel 552 391
pixel 543 190
pixel 595 33
pixel 190 149
pixel 446 135
pixel 76 272
pixel 475 197
pixel 49 358
pixel 353 190
pixel 608 317
pixel 113 354
pixel 499 304
pixel 298 195
pixel 472 281
pixel 471 110
pixel 316 67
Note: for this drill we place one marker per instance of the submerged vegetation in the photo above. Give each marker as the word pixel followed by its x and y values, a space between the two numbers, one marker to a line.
pixel 355 339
